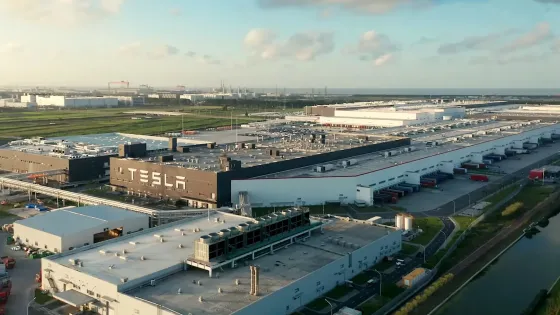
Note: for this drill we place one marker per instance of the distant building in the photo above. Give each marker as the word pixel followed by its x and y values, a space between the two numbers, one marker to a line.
pixel 64 101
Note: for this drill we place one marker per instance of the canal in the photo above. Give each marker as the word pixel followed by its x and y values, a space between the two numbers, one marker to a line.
pixel 509 285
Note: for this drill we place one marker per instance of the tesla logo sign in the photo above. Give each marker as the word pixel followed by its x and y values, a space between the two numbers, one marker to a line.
pixel 156 179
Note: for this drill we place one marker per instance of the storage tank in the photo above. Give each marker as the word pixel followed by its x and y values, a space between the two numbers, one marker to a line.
pixel 399 221
pixel 408 223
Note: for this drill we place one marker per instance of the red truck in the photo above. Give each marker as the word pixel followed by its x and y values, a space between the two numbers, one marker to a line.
pixel 9 262
pixel 5 290
pixel 479 178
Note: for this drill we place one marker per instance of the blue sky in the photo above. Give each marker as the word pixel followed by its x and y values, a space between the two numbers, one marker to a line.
pixel 264 43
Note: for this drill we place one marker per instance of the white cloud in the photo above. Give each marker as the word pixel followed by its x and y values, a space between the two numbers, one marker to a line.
pixel 384 59
pixel 190 54
pixel 11 47
pixel 538 35
pixel 176 12
pixel 556 46
pixel 359 6
pixel 61 12
pixel 138 49
pixel 303 46
pixel 375 47
pixel 484 42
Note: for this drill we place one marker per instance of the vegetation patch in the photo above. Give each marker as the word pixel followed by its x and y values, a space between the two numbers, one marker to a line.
pixel 422 297
pixel 41 297
pixel 430 228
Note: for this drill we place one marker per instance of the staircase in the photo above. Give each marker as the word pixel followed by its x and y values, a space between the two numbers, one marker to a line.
pixel 52 284
pixel 244 204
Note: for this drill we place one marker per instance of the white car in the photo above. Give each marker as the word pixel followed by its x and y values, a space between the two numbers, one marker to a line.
pixel 16 248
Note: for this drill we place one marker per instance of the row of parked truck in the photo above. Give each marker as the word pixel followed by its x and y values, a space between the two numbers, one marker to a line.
pixel 394 193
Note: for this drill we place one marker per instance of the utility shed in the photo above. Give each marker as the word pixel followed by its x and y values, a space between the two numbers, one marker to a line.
pixel 65 229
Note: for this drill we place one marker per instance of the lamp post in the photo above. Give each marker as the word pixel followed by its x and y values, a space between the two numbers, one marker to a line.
pixel 380 279
pixel 330 305
pixel 424 247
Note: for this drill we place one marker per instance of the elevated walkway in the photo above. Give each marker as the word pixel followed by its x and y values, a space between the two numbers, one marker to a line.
pixel 160 216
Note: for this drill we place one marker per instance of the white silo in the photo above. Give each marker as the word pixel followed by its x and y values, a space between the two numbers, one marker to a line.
pixel 399 221
pixel 408 223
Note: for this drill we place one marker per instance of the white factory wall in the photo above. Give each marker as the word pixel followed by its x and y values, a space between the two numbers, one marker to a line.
pixel 62 101
pixel 66 278
pixel 317 190
pixel 37 238
pixel 370 114
pixel 366 122
pixel 312 286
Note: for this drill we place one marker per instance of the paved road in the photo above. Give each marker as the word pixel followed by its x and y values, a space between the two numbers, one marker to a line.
pixel 23 276
pixel 367 291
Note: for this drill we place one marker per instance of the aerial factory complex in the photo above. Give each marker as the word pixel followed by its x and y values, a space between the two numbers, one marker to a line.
pixel 250 237
pixel 205 265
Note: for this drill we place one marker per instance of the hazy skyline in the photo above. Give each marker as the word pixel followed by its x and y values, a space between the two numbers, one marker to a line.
pixel 263 43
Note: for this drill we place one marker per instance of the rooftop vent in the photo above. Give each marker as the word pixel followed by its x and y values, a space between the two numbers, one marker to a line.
pixel 142 258
pixel 179 230
pixel 104 252
pixel 133 243
pixel 124 280
pixel 158 235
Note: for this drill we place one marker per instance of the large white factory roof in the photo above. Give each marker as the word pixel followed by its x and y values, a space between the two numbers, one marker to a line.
pixel 158 255
pixel 451 140
pixel 74 220
pixel 277 271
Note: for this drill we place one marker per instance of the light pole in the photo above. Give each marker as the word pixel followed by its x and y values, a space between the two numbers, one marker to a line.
pixel 29 305
pixel 330 305
pixel 454 207
pixel 424 247
pixel 380 279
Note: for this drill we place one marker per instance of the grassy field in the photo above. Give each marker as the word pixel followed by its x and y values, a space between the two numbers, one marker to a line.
pixel 430 228
pixel 502 194
pixel 409 249
pixel 4 211
pixel 552 303
pixel 65 122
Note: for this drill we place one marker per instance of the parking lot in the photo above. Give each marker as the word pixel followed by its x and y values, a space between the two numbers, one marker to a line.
pixel 428 199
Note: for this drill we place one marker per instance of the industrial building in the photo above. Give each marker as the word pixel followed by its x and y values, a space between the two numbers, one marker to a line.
pixel 65 101
pixel 130 100
pixel 202 175
pixel 219 263
pixel 382 114
pixel 414 277
pixel 58 160
pixel 65 229
pixel 359 178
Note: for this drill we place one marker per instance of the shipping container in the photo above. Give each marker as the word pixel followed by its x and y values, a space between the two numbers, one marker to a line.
pixel 403 188
pixel 413 186
pixel 400 192
pixel 488 161
pixel 536 174
pixel 460 170
pixel 479 178
pixel 428 184
pixel 470 166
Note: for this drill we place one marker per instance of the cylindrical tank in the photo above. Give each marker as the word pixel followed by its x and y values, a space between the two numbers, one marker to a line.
pixel 399 221
pixel 408 223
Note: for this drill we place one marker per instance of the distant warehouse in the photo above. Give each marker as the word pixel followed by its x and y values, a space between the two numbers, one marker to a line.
pixel 64 101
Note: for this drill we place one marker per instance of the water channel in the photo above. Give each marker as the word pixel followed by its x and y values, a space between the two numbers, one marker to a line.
pixel 509 285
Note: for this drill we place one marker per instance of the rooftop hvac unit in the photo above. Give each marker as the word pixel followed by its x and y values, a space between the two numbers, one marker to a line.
pixel 153 283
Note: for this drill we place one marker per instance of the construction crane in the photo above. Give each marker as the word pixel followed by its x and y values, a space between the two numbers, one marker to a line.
pixel 121 83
